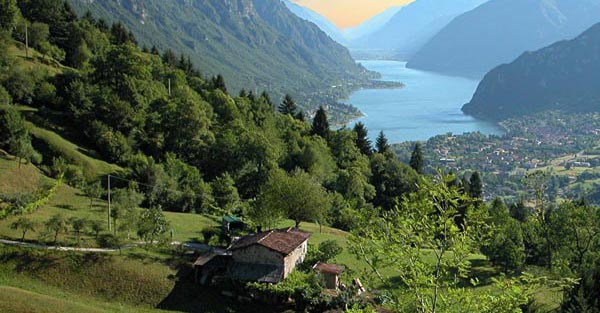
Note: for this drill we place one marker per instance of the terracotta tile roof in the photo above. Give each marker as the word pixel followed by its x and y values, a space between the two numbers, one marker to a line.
pixel 329 268
pixel 284 241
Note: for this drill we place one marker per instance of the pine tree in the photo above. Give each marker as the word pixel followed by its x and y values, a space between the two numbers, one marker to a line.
pixel 267 98
pixel 154 50
pixel 169 58
pixel 300 116
pixel 218 82
pixel 288 106
pixel 320 124
pixel 475 186
pixel 362 139
pixel 416 159
pixel 382 144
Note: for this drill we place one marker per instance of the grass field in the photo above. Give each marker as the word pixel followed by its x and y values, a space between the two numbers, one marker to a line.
pixel 74 154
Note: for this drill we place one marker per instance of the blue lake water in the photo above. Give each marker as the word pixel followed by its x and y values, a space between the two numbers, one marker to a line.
pixel 429 105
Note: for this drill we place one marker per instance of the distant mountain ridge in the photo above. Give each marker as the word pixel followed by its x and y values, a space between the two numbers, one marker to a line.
pixel 500 30
pixel 323 23
pixel 257 44
pixel 371 25
pixel 564 76
pixel 412 26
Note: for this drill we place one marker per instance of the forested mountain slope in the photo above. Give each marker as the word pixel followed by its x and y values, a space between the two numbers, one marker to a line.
pixel 254 44
pixel 564 76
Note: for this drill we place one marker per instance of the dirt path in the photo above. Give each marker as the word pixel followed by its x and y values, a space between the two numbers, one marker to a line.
pixel 59 248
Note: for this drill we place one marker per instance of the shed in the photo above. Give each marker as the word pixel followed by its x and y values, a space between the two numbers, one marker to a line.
pixel 231 223
pixel 332 274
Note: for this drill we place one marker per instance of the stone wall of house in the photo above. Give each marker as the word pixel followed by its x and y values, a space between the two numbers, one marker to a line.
pixel 257 254
pixel 293 259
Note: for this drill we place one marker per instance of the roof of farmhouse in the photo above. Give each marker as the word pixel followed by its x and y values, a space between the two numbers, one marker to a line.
pixel 284 241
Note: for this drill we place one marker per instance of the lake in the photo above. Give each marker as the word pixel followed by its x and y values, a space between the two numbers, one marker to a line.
pixel 429 105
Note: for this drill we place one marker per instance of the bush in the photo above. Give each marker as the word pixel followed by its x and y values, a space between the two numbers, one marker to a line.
pixel 45 93
pixel 5 98
pixel 329 249
pixel 109 241
pixel 209 233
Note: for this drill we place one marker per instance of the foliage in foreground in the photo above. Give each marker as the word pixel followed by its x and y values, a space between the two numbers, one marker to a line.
pixel 429 251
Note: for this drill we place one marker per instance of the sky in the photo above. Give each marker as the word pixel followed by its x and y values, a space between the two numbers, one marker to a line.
pixel 349 13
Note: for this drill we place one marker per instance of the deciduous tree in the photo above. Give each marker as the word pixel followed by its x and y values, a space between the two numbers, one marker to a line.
pixel 24 224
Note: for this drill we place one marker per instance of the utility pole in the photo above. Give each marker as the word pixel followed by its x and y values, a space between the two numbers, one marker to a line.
pixel 109 227
pixel 26 41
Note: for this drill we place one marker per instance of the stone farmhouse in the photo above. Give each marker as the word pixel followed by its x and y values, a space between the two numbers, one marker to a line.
pixel 265 257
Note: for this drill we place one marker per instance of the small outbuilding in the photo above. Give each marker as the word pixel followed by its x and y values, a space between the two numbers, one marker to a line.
pixel 232 223
pixel 332 273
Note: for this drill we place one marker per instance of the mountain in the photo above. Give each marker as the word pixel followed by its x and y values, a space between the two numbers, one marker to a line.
pixel 256 44
pixel 371 25
pixel 500 30
pixel 323 23
pixel 564 76
pixel 412 26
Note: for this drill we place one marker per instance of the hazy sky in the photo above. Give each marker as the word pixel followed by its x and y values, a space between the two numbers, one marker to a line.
pixel 347 13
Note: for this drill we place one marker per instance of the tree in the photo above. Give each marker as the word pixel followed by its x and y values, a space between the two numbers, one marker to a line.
pixel 120 35
pixel 14 134
pixel 320 124
pixel 476 186
pixel 416 159
pixel 225 193
pixel 55 225
pixel 382 144
pixel 392 180
pixel 218 82
pixel 265 96
pixel 96 227
pixel 169 58
pixel 505 247
pixel 362 139
pixel 288 106
pixel 78 225
pixel 126 203
pixel 5 98
pixel 93 190
pixel 298 196
pixel 8 14
pixel 329 250
pixel 152 224
pixel 423 224
pixel 575 232
pixel 24 224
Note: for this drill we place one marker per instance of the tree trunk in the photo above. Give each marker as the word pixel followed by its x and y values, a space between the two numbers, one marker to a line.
pixel 298 224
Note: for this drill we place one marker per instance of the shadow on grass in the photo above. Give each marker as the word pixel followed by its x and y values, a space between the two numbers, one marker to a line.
pixel 66 207
pixel 32 262
pixel 188 296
